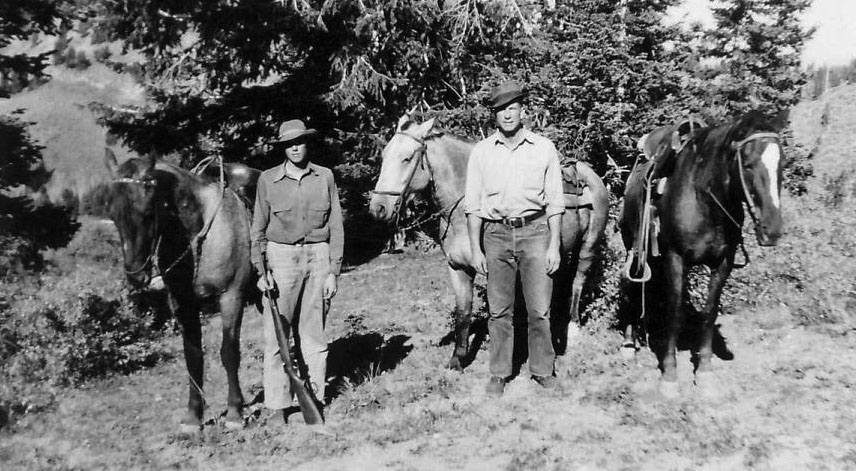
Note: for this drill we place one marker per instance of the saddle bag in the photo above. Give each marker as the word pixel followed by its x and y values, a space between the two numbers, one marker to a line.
pixel 576 192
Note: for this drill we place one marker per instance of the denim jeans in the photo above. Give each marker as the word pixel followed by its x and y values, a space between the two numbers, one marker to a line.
pixel 299 272
pixel 509 252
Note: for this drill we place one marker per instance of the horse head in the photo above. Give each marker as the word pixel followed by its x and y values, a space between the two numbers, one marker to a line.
pixel 133 208
pixel 404 169
pixel 754 139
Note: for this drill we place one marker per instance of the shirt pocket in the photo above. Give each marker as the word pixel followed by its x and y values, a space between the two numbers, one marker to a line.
pixel 318 213
pixel 283 214
pixel 532 173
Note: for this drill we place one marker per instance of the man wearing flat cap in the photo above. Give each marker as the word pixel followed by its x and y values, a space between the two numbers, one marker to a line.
pixel 514 205
pixel 297 224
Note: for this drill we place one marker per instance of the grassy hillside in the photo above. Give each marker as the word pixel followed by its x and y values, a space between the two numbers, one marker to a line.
pixel 63 123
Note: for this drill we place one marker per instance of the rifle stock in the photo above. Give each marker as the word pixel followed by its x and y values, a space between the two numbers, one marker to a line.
pixel 302 389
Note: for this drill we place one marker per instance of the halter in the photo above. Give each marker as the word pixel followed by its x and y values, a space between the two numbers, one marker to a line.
pixel 146 183
pixel 738 146
pixel 420 160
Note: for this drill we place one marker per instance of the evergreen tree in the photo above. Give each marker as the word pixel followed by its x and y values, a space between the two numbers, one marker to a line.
pixel 755 47
pixel 26 228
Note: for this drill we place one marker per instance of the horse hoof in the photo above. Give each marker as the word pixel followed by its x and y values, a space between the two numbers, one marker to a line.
pixel 189 429
pixel 628 352
pixel 455 365
pixel 707 384
pixel 233 424
pixel 574 332
pixel 669 389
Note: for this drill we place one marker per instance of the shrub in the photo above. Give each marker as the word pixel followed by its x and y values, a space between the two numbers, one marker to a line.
pixel 102 54
pixel 69 333
pixel 75 321
pixel 81 61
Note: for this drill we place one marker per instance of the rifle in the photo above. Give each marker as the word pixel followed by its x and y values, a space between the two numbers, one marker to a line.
pixel 302 389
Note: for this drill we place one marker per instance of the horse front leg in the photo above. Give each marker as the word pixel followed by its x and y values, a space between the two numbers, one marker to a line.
pixel 629 318
pixel 462 284
pixel 231 311
pixel 675 270
pixel 718 276
pixel 191 333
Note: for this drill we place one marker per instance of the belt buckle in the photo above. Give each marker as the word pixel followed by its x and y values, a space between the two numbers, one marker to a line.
pixel 516 223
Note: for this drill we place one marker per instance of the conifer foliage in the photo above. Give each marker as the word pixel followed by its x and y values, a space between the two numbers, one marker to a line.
pixel 223 73
pixel 25 227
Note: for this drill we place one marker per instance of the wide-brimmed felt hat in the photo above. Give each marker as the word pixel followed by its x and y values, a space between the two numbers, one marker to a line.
pixel 293 129
pixel 505 93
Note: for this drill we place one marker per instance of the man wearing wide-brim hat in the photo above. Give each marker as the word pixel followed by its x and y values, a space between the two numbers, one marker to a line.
pixel 514 206
pixel 297 228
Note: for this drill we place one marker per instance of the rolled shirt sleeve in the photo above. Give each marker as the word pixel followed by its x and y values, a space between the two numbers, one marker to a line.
pixel 473 196
pixel 337 231
pixel 553 189
pixel 261 214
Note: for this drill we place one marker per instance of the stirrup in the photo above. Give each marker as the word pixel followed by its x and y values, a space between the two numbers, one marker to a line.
pixel 628 265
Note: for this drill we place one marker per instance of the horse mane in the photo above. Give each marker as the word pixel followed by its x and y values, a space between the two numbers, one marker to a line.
pixel 714 153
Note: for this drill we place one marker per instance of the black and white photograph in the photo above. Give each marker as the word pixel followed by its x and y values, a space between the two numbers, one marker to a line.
pixel 428 235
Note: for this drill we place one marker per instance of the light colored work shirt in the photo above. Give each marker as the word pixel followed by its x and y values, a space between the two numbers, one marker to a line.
pixel 513 182
pixel 301 210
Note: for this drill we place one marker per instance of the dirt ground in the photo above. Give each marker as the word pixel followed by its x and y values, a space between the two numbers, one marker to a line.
pixel 784 402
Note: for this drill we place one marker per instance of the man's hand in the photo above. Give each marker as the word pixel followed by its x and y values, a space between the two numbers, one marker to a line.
pixel 330 287
pixel 480 262
pixel 554 258
pixel 262 284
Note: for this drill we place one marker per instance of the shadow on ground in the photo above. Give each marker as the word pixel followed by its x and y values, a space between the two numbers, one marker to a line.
pixel 357 358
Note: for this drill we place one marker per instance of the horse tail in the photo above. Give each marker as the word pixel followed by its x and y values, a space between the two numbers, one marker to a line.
pixel 599 210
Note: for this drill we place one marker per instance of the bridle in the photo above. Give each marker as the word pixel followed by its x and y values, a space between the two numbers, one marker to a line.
pixel 420 160
pixel 150 259
pixel 738 148
pixel 145 183
pixel 747 197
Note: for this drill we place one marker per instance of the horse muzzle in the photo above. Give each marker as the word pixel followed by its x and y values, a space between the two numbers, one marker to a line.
pixel 139 280
pixel 767 239
pixel 383 207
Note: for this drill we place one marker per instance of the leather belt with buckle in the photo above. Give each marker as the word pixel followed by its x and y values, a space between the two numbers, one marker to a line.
pixel 301 242
pixel 519 222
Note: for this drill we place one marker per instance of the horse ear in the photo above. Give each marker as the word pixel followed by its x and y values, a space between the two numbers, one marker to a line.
pixel 403 119
pixel 781 119
pixel 425 128
pixel 110 161
pixel 150 159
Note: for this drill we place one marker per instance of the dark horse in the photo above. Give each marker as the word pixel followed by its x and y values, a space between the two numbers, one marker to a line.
pixel 193 232
pixel 700 212
pixel 418 156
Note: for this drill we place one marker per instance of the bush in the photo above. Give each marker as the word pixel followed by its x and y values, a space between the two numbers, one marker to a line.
pixel 82 62
pixel 75 322
pixel 102 54
pixel 65 336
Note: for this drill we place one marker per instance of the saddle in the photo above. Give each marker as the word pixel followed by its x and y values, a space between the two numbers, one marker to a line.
pixel 242 179
pixel 658 150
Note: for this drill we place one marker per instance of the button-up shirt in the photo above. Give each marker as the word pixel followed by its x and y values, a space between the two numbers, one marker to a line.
pixel 291 210
pixel 514 181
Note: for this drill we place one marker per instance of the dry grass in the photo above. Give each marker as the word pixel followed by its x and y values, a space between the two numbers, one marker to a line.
pixel 784 402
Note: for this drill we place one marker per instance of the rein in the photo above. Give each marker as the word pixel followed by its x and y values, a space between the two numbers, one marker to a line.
pixel 421 157
pixel 419 160
pixel 199 238
pixel 747 197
